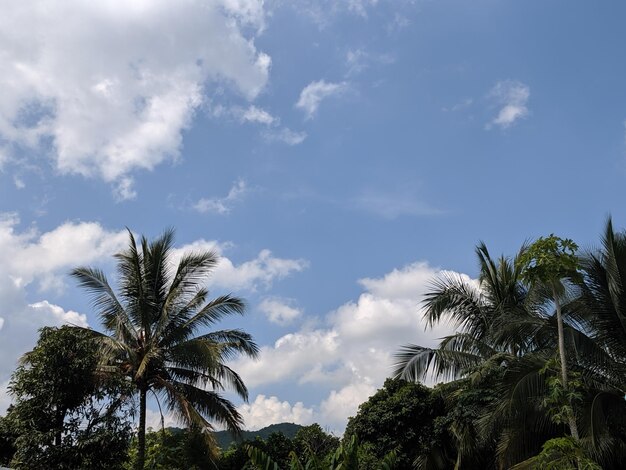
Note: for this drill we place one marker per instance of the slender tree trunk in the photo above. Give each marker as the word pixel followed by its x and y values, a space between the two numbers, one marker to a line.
pixel 141 432
pixel 559 321
pixel 58 433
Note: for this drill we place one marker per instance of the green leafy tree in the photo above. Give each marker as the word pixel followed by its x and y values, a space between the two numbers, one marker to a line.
pixel 279 447
pixel 561 453
pixel 8 436
pixel 502 328
pixel 152 333
pixel 499 327
pixel 312 441
pixel 345 457
pixel 401 417
pixel 65 415
pixel 235 457
pixel 174 449
pixel 548 262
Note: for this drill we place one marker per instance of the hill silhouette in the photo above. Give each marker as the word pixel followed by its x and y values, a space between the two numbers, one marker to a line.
pixel 224 438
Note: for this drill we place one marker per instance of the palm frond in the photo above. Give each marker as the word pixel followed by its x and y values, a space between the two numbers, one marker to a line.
pixel 416 362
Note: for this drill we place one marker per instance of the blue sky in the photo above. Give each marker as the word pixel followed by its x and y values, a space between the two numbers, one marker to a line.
pixel 338 154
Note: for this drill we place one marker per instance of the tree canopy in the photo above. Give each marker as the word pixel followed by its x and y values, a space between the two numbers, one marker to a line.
pixel 66 415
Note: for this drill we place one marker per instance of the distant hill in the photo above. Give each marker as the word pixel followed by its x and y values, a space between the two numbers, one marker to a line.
pixel 224 438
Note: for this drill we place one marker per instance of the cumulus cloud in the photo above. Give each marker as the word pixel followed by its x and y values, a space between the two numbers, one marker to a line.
pixel 112 85
pixel 353 354
pixel 279 311
pixel 342 404
pixel 312 95
pixel 222 205
pixel 257 273
pixel 54 311
pixel 511 97
pixel 29 257
pixel 269 410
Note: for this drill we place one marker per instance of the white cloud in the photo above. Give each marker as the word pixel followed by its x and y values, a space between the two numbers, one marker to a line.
pixel 223 205
pixel 258 115
pixel 342 404
pixel 254 274
pixel 30 257
pixel 279 311
pixel 323 12
pixel 512 98
pixel 70 317
pixel 312 95
pixel 360 7
pixel 113 84
pixel 285 135
pixel 259 272
pixel 353 354
pixel 269 410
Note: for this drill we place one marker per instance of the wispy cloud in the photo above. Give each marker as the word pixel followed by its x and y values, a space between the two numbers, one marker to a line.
pixel 359 60
pixel 255 115
pixel 312 95
pixel 511 96
pixel 461 105
pixel 285 135
pixel 222 205
pixel 391 205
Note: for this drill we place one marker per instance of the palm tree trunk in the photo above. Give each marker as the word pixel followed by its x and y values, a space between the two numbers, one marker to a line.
pixel 141 432
pixel 559 321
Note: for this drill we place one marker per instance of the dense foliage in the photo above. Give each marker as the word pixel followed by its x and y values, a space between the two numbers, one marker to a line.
pixel 174 449
pixel 402 417
pixel 552 326
pixel 65 415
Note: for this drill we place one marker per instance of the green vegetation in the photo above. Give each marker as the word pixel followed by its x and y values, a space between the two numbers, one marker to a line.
pixel 66 415
pixel 534 377
pixel 151 334
pixel 224 439
pixel 552 327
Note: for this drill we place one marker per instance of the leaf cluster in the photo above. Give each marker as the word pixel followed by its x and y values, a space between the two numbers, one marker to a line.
pixel 65 415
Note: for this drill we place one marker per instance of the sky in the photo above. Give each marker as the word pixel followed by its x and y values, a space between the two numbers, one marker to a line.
pixel 339 155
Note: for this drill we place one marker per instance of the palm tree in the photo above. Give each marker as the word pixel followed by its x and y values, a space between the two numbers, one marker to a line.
pixel 491 317
pixel 503 324
pixel 151 335
pixel 499 322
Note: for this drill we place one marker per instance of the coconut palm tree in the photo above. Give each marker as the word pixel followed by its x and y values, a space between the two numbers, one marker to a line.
pixel 491 317
pixel 153 333
pixel 503 323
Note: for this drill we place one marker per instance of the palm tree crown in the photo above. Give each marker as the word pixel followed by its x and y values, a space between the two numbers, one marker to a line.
pixel 151 328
